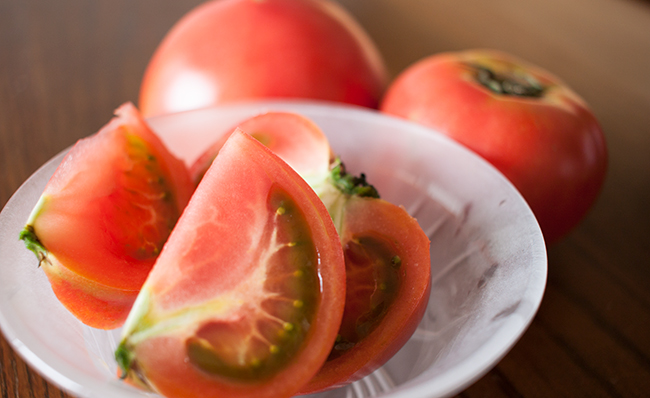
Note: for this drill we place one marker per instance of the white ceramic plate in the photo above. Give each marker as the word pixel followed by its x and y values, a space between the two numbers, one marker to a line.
pixel 488 256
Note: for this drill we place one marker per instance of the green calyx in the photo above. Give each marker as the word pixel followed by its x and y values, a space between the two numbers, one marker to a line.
pixel 349 184
pixel 128 366
pixel 29 237
pixel 28 234
pixel 514 84
pixel 124 358
pixel 339 187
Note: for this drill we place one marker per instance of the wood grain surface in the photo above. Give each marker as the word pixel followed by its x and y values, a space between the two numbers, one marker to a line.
pixel 65 65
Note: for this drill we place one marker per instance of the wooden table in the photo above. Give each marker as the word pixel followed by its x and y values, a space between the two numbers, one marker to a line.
pixel 66 64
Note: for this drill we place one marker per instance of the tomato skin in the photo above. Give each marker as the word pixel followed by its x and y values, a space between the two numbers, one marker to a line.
pixel 551 147
pixel 208 275
pixel 229 50
pixel 96 305
pixel 104 215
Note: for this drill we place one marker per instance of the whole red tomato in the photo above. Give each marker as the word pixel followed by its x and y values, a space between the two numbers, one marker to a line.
pixel 525 121
pixel 228 50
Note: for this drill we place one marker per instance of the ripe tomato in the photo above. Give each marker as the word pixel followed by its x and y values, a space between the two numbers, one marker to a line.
pixel 104 216
pixel 227 50
pixel 539 133
pixel 247 295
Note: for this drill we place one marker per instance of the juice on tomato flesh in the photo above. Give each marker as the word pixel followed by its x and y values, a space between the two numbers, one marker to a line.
pixel 373 279
pixel 142 205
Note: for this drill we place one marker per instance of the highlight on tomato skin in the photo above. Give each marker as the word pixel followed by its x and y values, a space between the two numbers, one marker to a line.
pixel 104 216
pixel 521 118
pixel 293 137
pixel 231 50
pixel 247 295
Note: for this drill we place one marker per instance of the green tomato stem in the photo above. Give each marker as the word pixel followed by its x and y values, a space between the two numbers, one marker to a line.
pixel 29 237
pixel 508 84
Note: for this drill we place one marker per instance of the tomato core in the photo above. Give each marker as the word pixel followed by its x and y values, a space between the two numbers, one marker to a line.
pixel 275 328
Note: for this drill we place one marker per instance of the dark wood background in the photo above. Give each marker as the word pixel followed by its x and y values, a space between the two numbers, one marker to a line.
pixel 65 65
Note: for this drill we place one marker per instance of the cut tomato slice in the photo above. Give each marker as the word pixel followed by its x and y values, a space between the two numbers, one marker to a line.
pixel 388 282
pixel 247 295
pixel 104 217
pixel 293 137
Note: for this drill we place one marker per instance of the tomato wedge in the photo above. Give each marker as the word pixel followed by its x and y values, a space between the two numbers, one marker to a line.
pixel 293 137
pixel 104 217
pixel 388 272
pixel 247 295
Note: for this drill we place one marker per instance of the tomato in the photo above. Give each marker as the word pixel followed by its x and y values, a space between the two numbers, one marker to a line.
pixel 538 132
pixel 247 295
pixel 388 279
pixel 386 252
pixel 229 50
pixel 296 139
pixel 104 216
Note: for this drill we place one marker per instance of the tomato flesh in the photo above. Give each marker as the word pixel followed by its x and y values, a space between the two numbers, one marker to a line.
pixel 142 204
pixel 275 330
pixel 372 280
pixel 247 294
